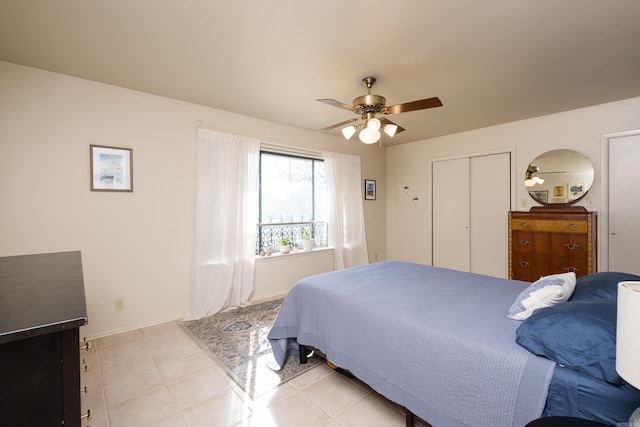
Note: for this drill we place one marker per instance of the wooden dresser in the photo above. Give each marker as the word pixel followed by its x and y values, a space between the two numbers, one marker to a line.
pixel 42 308
pixel 551 240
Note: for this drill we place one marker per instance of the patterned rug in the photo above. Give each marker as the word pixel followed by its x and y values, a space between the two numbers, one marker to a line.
pixel 237 340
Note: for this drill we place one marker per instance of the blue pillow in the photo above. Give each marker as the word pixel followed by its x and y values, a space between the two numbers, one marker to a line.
pixel 601 285
pixel 577 334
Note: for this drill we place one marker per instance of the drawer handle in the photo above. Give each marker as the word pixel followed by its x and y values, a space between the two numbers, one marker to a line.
pixel 524 242
pixel 86 346
pixel 572 226
pixel 88 415
pixel 571 245
pixel 524 225
pixel 570 269
pixel 524 264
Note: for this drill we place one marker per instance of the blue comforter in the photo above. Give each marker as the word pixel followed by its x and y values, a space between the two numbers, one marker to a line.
pixel 434 340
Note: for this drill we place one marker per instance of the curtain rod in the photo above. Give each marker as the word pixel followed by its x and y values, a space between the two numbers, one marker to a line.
pixel 277 148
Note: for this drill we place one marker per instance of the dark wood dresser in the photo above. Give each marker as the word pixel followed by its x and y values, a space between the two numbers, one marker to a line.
pixel 42 306
pixel 552 240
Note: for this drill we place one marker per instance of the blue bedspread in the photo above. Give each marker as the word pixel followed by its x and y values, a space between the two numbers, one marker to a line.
pixel 434 340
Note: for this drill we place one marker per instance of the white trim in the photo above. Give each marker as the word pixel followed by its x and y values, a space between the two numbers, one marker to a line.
pixel 279 256
pixel 603 220
pixel 176 320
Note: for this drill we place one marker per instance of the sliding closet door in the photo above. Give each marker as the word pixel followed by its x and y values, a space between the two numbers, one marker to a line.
pixel 490 199
pixel 624 204
pixel 450 196
pixel 471 197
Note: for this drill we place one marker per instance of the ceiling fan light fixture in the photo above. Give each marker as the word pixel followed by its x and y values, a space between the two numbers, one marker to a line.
pixel 373 124
pixel 348 131
pixel 369 136
pixel 390 129
pixel 367 106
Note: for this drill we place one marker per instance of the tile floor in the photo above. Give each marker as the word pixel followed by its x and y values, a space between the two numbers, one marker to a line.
pixel 158 377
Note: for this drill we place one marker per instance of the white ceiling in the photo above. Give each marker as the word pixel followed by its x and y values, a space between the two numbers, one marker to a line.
pixel 490 62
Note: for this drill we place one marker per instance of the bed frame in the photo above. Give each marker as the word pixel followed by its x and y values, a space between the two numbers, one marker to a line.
pixel 306 352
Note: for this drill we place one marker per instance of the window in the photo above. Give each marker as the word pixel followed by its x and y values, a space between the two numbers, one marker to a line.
pixel 293 194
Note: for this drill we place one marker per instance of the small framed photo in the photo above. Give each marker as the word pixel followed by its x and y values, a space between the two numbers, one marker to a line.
pixel 369 189
pixel 576 190
pixel 111 168
pixel 558 191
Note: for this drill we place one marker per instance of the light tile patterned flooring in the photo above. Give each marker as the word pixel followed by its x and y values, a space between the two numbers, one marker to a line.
pixel 158 377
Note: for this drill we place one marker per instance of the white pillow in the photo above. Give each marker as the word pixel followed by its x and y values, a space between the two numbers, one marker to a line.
pixel 634 421
pixel 544 292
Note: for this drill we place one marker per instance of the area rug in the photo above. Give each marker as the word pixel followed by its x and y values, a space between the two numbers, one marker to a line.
pixel 237 340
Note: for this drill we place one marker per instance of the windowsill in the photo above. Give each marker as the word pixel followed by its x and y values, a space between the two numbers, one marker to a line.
pixel 292 254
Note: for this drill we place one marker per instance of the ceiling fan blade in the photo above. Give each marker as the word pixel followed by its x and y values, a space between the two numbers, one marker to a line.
pixel 337 125
pixel 337 104
pixel 415 105
pixel 385 121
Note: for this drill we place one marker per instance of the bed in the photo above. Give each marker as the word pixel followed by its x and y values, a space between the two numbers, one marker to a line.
pixel 439 343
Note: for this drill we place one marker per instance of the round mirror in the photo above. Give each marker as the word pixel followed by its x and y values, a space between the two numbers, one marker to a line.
pixel 559 177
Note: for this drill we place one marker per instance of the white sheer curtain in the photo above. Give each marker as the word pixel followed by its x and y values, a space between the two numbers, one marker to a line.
pixel 346 214
pixel 226 217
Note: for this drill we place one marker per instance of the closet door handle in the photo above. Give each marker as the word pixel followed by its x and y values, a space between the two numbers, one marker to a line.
pixel 571 245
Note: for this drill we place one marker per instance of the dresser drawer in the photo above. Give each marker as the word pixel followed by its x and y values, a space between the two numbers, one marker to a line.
pixel 531 268
pixel 570 245
pixel 568 265
pixel 528 267
pixel 552 226
pixel 528 242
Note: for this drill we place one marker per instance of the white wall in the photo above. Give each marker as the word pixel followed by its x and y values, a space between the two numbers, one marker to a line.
pixel 136 246
pixel 408 225
pixel 276 274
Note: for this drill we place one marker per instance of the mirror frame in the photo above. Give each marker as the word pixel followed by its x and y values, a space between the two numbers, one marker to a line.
pixel 533 172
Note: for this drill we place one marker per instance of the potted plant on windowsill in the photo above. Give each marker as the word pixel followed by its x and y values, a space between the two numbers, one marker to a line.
pixel 307 243
pixel 285 245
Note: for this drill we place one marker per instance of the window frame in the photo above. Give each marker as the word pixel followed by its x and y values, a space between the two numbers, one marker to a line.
pixel 319 228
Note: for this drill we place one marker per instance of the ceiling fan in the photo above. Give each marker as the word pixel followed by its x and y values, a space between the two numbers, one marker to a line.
pixel 367 106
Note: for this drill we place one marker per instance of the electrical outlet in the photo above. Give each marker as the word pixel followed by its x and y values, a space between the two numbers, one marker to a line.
pixel 119 304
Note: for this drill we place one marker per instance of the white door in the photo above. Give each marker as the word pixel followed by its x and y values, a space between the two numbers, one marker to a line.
pixel 490 195
pixel 624 204
pixel 450 206
pixel 471 199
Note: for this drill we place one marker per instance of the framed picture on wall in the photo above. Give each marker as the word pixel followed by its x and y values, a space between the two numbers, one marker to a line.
pixel 558 191
pixel 369 189
pixel 111 168
pixel 576 190
pixel 540 195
